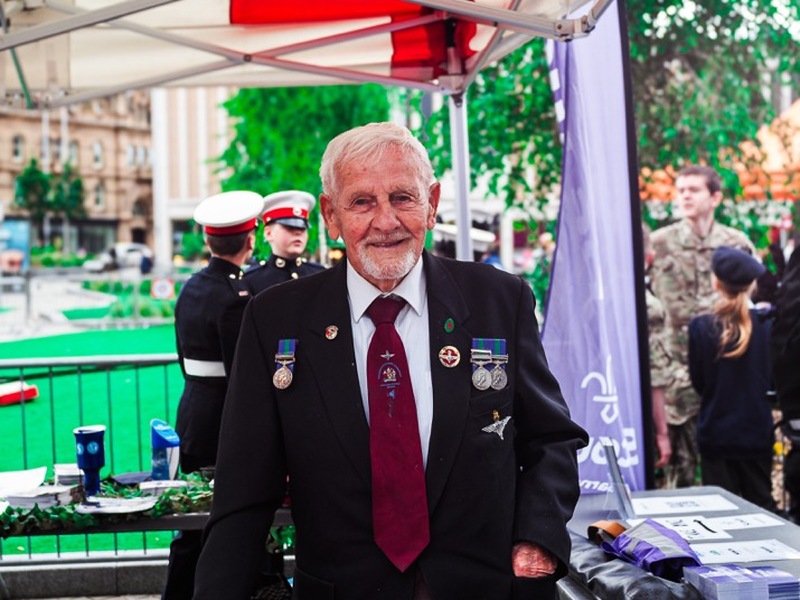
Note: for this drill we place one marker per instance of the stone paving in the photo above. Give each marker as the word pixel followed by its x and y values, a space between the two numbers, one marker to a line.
pixel 39 314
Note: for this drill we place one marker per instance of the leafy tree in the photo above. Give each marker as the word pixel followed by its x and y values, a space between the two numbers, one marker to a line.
pixel 32 193
pixel 67 194
pixel 513 134
pixel 699 71
pixel 281 133
pixel 44 195
pixel 67 199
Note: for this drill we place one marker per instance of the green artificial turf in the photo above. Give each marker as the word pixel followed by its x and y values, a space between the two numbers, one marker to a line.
pixel 77 314
pixel 150 340
pixel 125 399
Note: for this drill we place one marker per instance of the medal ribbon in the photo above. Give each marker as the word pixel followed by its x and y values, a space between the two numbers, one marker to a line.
pixel 495 346
pixel 285 355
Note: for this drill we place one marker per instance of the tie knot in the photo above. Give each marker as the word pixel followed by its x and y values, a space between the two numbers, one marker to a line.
pixel 385 310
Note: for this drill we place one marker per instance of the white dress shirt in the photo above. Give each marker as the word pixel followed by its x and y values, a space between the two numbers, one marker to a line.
pixel 411 325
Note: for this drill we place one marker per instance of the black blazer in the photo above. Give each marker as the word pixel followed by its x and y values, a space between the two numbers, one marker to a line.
pixel 484 492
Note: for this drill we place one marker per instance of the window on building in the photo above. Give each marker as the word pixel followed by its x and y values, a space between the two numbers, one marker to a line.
pixel 55 149
pixel 74 153
pixel 18 148
pixel 97 153
pixel 141 155
pixel 140 208
pixel 130 154
pixel 100 195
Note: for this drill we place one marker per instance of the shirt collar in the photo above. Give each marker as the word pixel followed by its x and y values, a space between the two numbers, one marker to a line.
pixel 361 292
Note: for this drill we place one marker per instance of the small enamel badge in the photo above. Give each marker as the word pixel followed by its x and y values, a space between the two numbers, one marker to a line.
pixel 498 426
pixel 331 331
pixel 449 356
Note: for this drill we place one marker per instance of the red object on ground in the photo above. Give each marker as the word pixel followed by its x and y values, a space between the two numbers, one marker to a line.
pixel 15 392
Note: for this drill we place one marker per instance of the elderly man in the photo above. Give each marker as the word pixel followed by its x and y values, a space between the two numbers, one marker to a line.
pixel 681 279
pixel 408 399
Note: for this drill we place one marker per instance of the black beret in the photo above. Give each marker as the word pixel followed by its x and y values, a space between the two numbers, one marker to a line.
pixel 735 267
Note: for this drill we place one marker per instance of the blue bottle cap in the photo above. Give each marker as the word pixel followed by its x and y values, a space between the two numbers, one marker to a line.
pixel 162 435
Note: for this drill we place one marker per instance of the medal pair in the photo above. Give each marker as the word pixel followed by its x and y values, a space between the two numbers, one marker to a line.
pixel 485 352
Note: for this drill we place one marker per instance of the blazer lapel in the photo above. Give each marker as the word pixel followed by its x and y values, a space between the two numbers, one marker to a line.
pixel 333 363
pixel 447 313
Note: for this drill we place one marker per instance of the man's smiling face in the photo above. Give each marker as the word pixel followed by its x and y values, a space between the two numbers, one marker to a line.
pixel 382 210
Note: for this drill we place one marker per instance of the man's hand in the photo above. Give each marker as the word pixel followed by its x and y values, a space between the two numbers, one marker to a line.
pixel 664 450
pixel 531 560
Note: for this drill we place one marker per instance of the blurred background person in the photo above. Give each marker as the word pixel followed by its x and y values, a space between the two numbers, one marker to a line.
pixel 658 337
pixel 785 351
pixel 208 316
pixel 730 368
pixel 681 280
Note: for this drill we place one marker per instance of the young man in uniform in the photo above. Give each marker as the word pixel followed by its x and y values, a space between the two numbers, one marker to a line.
pixel 286 229
pixel 208 315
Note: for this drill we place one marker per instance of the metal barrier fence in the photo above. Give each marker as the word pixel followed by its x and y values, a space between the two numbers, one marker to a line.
pixel 122 392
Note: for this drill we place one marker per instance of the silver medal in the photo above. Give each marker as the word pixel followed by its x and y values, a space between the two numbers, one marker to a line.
pixel 499 378
pixel 481 378
pixel 282 378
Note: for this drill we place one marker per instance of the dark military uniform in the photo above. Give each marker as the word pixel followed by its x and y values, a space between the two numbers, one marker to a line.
pixel 208 315
pixel 276 270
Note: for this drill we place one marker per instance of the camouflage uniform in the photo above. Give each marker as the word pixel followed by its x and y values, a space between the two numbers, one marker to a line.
pixel 658 336
pixel 659 339
pixel 681 279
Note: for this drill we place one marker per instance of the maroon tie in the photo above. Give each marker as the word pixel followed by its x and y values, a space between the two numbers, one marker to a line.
pixel 399 501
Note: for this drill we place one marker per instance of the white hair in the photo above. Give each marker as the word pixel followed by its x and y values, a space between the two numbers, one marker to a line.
pixel 371 142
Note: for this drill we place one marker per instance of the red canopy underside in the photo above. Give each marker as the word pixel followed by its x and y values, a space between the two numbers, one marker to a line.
pixel 414 48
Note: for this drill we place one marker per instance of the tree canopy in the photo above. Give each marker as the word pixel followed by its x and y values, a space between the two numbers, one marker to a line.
pixel 45 195
pixel 281 133
pixel 701 72
pixel 702 76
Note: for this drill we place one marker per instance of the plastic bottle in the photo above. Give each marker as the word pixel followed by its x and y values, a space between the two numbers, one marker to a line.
pixel 165 443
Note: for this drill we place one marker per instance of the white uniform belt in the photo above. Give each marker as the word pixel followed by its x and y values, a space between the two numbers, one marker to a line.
pixel 204 368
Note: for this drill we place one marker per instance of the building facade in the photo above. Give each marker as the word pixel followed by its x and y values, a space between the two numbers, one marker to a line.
pixel 191 130
pixel 146 159
pixel 107 142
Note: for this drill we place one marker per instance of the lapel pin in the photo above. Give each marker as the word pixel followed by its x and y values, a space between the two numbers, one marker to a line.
pixel 331 331
pixel 449 356
pixel 449 325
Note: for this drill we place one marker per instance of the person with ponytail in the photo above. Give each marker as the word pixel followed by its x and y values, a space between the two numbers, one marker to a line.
pixel 729 364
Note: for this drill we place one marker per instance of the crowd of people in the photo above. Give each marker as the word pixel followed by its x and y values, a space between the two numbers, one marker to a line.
pixel 407 399
pixel 725 356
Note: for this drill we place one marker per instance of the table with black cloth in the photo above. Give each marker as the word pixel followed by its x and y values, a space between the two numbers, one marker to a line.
pixel 597 575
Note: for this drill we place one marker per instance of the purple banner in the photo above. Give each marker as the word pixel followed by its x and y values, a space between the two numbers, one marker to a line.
pixel 590 325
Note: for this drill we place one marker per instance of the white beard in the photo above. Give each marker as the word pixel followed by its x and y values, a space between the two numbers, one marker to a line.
pixel 396 269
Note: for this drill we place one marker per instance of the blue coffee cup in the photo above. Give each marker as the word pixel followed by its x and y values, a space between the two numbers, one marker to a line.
pixel 91 455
